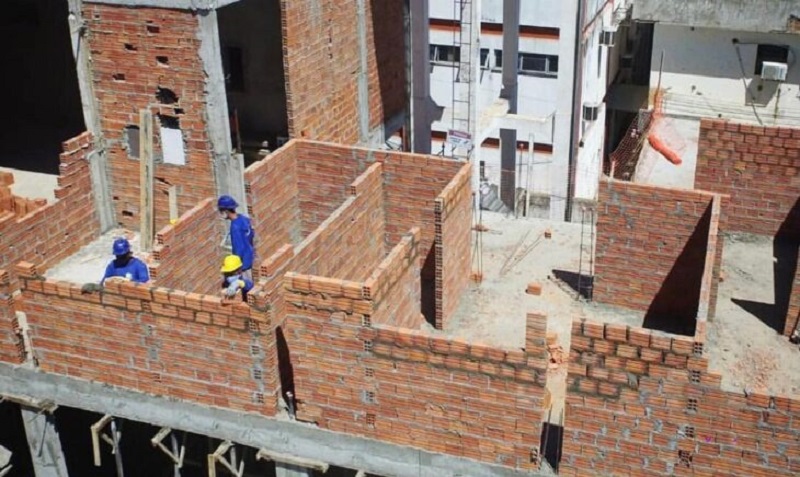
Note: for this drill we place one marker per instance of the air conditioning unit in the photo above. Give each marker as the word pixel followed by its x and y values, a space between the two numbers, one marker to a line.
pixel 773 71
pixel 591 111
pixel 608 37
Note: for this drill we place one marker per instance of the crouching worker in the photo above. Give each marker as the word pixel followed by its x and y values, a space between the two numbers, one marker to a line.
pixel 235 279
pixel 125 265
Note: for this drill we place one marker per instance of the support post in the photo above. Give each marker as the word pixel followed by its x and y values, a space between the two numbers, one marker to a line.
pixel 45 446
pixel 112 440
pixel 146 179
pixel 218 457
pixel 508 137
pixel 176 454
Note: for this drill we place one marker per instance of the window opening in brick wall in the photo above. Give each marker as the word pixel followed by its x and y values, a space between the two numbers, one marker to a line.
pixel 773 53
pixel 166 96
pixel 551 443
pixel 172 146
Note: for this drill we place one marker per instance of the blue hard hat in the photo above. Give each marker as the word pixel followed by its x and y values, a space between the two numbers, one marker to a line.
pixel 121 246
pixel 226 202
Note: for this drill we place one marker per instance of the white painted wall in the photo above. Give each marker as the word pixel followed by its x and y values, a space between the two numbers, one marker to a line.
pixel 703 76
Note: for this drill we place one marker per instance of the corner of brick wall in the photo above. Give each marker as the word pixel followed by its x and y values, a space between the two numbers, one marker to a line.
pixel 183 345
pixel 11 349
pixel 177 263
pixel 394 286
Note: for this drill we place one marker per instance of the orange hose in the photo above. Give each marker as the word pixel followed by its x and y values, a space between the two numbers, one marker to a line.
pixel 665 151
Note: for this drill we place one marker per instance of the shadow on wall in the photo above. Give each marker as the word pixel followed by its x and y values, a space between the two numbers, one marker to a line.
pixel 428 287
pixel 285 369
pixel 389 34
pixel 674 308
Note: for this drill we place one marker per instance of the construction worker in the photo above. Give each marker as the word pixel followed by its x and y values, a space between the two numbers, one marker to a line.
pixel 125 265
pixel 241 233
pixel 234 279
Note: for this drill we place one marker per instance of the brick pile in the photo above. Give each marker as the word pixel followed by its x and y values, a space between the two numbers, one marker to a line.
pixel 759 167
pixel 11 350
pixel 9 203
pixel 182 345
pixel 643 403
pixel 57 230
pixel 125 45
pixel 187 255
pixel 651 249
pixel 409 387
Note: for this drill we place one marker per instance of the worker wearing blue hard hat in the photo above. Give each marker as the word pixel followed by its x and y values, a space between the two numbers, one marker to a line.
pixel 241 233
pixel 125 265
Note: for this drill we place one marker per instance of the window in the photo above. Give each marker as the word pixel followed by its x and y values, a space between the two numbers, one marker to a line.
pixel 538 64
pixel 233 68
pixel 484 58
pixel 445 54
pixel 498 59
pixel 776 53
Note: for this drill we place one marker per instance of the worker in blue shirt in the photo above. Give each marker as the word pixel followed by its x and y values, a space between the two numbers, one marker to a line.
pixel 241 233
pixel 125 265
pixel 233 278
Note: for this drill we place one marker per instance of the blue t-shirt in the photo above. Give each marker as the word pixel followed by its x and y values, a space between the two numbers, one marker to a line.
pixel 242 240
pixel 135 270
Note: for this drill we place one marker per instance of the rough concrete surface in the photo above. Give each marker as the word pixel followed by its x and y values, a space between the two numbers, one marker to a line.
pixel 89 263
pixel 745 350
pixel 33 185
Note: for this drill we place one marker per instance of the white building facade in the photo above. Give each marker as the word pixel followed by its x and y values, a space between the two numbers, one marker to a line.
pixel 560 118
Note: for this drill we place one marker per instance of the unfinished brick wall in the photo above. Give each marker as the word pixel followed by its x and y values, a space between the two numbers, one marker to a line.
pixel 394 286
pixel 644 403
pixel 134 52
pixel 651 252
pixel 759 167
pixel 321 55
pixel 55 231
pixel 15 204
pixel 11 350
pixel 188 255
pixel 453 244
pixel 273 201
pixel 352 375
pixel 181 345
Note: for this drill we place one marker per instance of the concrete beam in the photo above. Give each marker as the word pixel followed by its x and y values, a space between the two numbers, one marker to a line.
pixel 173 4
pixel 46 453
pixel 286 437
pixel 744 15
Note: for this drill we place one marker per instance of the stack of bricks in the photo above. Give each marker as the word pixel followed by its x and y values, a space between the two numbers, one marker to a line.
pixel 54 231
pixel 452 244
pixel 644 403
pixel 759 167
pixel 188 255
pixel 11 350
pixel 185 346
pixel 126 44
pixel 11 204
pixel 651 248
pixel 408 387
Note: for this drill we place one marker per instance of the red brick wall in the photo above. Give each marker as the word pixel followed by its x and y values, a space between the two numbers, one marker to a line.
pixel 11 203
pixel 642 403
pixel 321 56
pixel 197 233
pixel 394 286
pixel 171 343
pixel 10 343
pixel 757 166
pixel 149 32
pixel 453 247
pixel 53 232
pixel 651 249
pixel 272 196
pixel 410 388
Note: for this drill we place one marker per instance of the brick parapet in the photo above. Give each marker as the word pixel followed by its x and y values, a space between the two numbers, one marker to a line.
pixel 11 347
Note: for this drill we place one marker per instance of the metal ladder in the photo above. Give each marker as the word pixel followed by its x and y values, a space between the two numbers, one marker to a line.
pixel 462 75
pixel 586 259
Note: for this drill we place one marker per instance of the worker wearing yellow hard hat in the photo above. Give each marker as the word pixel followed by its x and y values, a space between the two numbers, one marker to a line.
pixel 234 280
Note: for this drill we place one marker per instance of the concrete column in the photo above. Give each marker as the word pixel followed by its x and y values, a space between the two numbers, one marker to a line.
pixel 508 137
pixel 46 453
pixel 420 77
pixel 288 470
pixel 363 66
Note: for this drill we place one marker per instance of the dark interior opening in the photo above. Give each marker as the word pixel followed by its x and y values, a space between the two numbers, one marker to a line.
pixel 12 437
pixel 551 444
pixel 41 100
pixel 251 44
pixel 674 308
pixel 428 287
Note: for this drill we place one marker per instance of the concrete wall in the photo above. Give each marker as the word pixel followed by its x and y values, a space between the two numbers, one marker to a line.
pixel 643 403
pixel 703 75
pixel 651 252
pixel 770 16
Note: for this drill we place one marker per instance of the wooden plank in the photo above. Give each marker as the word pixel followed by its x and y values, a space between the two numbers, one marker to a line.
pixel 146 179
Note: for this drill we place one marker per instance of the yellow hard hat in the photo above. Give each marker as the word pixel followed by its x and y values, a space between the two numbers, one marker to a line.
pixel 231 264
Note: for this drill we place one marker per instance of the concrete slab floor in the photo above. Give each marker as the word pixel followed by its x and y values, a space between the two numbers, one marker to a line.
pixel 89 263
pixel 33 185
pixel 742 345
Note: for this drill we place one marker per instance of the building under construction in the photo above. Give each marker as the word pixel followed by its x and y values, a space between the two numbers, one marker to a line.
pixel 395 328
